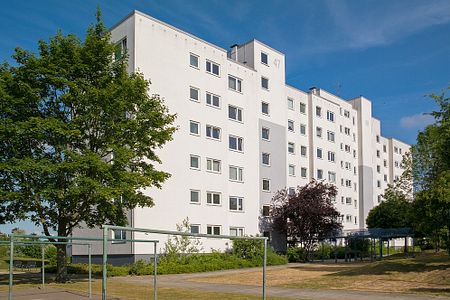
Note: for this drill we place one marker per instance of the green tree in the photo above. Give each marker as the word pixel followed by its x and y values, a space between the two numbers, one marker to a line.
pixel 180 244
pixel 77 131
pixel 431 170
pixel 395 211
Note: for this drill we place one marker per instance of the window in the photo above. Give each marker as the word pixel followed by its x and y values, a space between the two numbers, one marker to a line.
pixel 319 153
pixel 119 236
pixel 194 94
pixel 291 170
pixel 332 177
pixel 265 159
pixel 212 68
pixel 265 133
pixel 319 174
pixel 302 129
pixel 354 153
pixel 236 173
pixel 266 185
pixel 400 150
pixel 378 153
pixel 236 231
pixel 265 108
pixel 121 49
pixel 347 131
pixel 348 183
pixel 384 148
pixel 395 149
pixel 291 191
pixel 213 229
pixel 265 83
pixel 195 162
pixel 195 196
pixel 379 198
pixel 356 203
pixel 319 132
pixel 213 198
pixel 235 143
pixel 212 100
pixel 195 228
pixel 236 203
pixel 193 60
pixel 234 113
pixel 291 125
pixel 266 210
pixel 213 132
pixel 213 165
pixel 348 218
pixel 194 127
pixel 303 151
pixel 290 103
pixel 291 148
pixel 264 58
pixel 347 148
pixel 348 200
pixel 234 83
pixel 346 114
pixel 385 163
pixel 330 136
pixel 302 108
pixel 385 177
pixel 377 138
pixel 396 164
pixel 318 111
pixel 330 116
pixel 303 172
pixel 378 183
pixel 378 169
pixel 331 156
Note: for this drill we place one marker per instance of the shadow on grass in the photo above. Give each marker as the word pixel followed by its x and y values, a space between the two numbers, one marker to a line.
pixel 432 290
pixel 35 278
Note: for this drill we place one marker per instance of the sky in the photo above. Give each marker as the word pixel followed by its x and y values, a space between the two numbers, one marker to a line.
pixel 394 53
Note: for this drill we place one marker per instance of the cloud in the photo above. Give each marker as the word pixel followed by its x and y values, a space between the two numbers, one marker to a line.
pixel 417 121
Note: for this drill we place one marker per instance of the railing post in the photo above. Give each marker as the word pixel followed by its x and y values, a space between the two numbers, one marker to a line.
pixel 43 265
pixel 105 258
pixel 264 269
pixel 90 270
pixel 155 270
pixel 11 266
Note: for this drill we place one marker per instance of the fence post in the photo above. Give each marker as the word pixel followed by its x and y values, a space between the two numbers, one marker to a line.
pixel 43 264
pixel 105 259
pixel 11 266
pixel 90 270
pixel 264 269
pixel 381 248
pixel 155 270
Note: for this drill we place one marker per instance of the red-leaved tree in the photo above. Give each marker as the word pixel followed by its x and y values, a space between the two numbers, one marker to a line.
pixel 305 215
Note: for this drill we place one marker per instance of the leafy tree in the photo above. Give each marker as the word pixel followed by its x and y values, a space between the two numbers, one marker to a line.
pixel 307 215
pixel 77 131
pixel 181 244
pixel 431 171
pixel 396 210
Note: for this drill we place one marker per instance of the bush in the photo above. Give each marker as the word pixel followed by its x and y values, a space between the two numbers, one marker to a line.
pixel 296 254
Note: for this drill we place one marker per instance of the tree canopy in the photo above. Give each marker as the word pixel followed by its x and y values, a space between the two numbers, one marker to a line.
pixel 306 215
pixel 78 134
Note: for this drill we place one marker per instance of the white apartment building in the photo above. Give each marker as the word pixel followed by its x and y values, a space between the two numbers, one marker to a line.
pixel 244 134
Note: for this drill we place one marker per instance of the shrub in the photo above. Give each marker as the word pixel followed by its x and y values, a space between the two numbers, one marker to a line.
pixel 297 254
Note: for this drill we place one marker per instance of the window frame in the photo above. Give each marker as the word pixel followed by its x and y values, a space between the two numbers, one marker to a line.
pixel 211 162
pixel 212 64
pixel 212 132
pixel 191 88
pixel 238 110
pixel 238 83
pixel 211 96
pixel 198 61
pixel 198 161
pixel 198 128
pixel 239 204
pixel 239 141
pixel 198 195
pixel 212 193
pixel 239 173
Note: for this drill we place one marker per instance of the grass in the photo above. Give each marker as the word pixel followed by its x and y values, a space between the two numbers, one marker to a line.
pixel 427 273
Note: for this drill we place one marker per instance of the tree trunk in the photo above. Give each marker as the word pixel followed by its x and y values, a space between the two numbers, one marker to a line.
pixel 61 263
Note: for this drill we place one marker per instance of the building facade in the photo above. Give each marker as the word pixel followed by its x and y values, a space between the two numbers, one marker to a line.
pixel 244 134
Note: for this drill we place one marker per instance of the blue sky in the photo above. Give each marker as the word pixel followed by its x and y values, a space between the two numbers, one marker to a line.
pixel 392 52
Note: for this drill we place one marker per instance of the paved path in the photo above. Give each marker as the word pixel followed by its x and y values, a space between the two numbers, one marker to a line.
pixel 47 294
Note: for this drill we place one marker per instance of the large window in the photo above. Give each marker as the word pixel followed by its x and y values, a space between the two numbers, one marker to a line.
pixel 264 58
pixel 332 177
pixel 265 159
pixel 331 136
pixel 236 203
pixel 302 129
pixel 194 127
pixel 234 113
pixel 195 228
pixel 212 68
pixel 330 116
pixel 213 198
pixel 213 229
pixel 119 236
pixel 291 170
pixel 193 60
pixel 213 165
pixel 195 162
pixel 195 196
pixel 265 133
pixel 331 156
pixel 236 173
pixel 290 103
pixel 213 132
pixel 194 94
pixel 319 174
pixel 212 100
pixel 234 83
pixel 302 108
pixel 291 125
pixel 265 108
pixel 236 231
pixel 319 132
pixel 319 153
pixel 235 143
pixel 303 172
pixel 318 111
pixel 291 148
pixel 266 185
pixel 303 151
pixel 121 49
pixel 265 83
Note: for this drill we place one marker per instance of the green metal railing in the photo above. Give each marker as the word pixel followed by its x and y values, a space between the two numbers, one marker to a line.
pixel 106 228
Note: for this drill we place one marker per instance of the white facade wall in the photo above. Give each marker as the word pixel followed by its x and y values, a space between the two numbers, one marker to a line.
pixel 162 53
